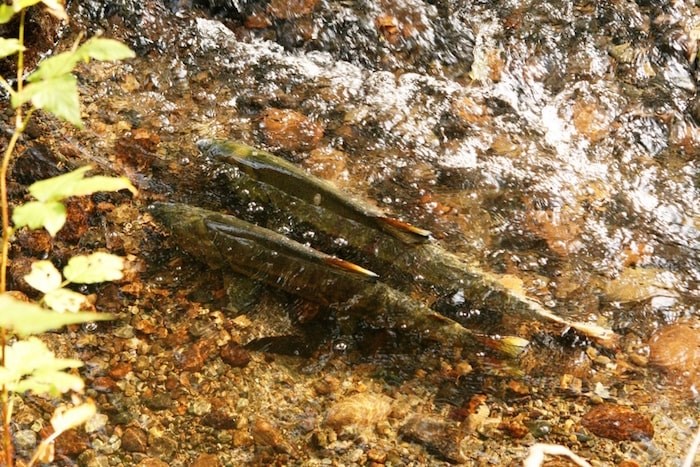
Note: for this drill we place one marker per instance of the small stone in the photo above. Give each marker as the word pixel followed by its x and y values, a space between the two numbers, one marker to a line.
pixel 96 423
pixel 194 357
pixel 199 407
pixel 235 355
pixel 514 428
pixel 289 9
pixel 290 130
pixel 160 445
pixel 266 434
pixel 125 332
pixel 220 420
pixel 25 440
pixel 618 423
pixel 160 401
pixel 675 349
pixel 206 460
pixel 376 455
pixel 437 436
pixel 362 410
pixel 119 370
pixel 72 443
pixel 152 462
pixel 134 440
pixel 103 384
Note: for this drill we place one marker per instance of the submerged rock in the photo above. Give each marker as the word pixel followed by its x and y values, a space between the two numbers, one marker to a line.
pixel 618 423
pixel 361 411
pixel 439 437
pixel 675 350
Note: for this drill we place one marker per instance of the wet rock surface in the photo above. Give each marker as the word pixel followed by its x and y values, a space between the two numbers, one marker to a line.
pixel 555 142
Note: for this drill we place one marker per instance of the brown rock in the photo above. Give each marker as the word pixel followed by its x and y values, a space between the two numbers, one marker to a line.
pixel 514 428
pixel 72 443
pixel 35 242
pixel 134 440
pixel 235 355
pixel 675 349
pixel 287 9
pixel 152 462
pixel 265 434
pixel 618 423
pixel 78 210
pixel 362 410
pixel 290 130
pixel 206 460
pixel 103 384
pixel 326 163
pixel 119 370
pixel 194 357
pixel 220 419
pixel 437 436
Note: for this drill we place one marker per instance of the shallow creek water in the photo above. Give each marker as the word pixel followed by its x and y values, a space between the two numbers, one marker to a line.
pixel 556 142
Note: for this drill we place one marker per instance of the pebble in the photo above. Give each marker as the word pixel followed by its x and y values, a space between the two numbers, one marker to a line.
pixel 194 357
pixel 161 446
pixel 437 436
pixel 206 460
pixel 362 410
pixel 25 440
pixel 618 423
pixel 125 332
pixel 220 420
pixel 675 349
pixel 199 407
pixel 290 130
pixel 134 439
pixel 266 434
pixel 89 458
pixel 289 9
pixel 119 370
pixel 151 462
pixel 160 401
pixel 96 423
pixel 71 443
pixel 235 355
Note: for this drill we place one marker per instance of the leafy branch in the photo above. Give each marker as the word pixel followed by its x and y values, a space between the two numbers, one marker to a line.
pixel 28 365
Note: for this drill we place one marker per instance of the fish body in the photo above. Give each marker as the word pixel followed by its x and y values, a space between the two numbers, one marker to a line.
pixel 273 259
pixel 405 265
pixel 287 177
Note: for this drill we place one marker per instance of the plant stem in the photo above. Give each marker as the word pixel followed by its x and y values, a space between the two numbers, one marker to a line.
pixel 20 125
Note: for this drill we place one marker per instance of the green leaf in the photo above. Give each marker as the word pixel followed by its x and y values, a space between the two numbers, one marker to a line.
pixel 93 268
pixel 31 366
pixel 76 184
pixel 64 300
pixel 54 383
pixel 22 4
pixel 6 13
pixel 55 66
pixel 44 277
pixel 90 185
pixel 59 187
pixel 9 46
pixel 102 49
pixel 24 318
pixel 50 215
pixel 58 96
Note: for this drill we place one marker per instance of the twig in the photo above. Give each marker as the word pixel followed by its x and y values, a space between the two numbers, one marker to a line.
pixel 539 450
pixel 690 457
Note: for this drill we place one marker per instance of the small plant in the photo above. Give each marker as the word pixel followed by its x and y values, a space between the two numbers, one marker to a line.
pixel 27 364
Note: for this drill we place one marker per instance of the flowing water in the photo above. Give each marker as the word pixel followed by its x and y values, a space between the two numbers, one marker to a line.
pixel 556 142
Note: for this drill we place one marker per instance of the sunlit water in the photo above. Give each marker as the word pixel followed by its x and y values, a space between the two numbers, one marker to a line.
pixel 554 141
